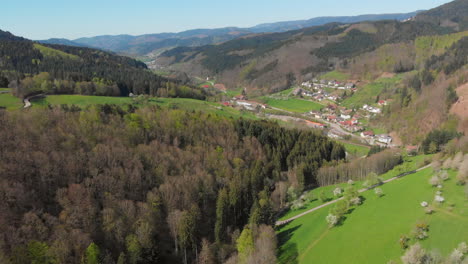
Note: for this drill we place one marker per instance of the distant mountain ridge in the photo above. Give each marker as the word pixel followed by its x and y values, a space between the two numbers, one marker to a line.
pixel 156 43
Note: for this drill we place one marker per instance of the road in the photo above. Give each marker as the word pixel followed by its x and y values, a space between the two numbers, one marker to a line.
pixel 282 222
pixel 331 125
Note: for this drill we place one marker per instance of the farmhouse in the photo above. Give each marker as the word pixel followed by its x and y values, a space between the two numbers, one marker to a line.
pixel 384 138
pixel 367 134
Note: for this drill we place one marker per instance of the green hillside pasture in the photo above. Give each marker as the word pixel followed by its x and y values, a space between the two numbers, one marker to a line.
pixel 180 103
pixel 9 101
pixel 368 93
pixel 371 232
pixel 355 150
pixel 293 105
pixel 50 52
pixel 427 46
pixel 410 164
pixel 335 75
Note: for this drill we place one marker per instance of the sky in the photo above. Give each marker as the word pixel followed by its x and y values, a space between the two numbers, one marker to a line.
pixel 43 19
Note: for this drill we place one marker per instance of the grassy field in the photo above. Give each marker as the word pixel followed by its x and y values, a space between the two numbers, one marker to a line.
pixel 50 52
pixel 371 232
pixel 293 105
pixel 368 93
pixel 435 45
pixel 180 103
pixel 355 150
pixel 9 101
pixel 335 75
pixel 411 163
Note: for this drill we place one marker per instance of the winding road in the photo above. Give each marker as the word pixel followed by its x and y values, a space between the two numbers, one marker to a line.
pixel 283 222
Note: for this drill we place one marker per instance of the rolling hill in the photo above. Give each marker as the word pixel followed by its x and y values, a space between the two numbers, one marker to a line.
pixel 153 44
pixel 31 68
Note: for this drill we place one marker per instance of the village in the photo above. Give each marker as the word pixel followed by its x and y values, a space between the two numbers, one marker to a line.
pixel 337 121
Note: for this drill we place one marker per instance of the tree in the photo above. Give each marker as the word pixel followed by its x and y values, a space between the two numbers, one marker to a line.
pixel 265 246
pixel 92 254
pixel 332 220
pixel 134 249
pixel 245 244
pixel 415 255
pixel 173 220
pixel 206 254
pixel 221 215
pixel 379 192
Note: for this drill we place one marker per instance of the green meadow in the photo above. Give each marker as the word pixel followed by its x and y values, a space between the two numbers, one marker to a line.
pixel 370 233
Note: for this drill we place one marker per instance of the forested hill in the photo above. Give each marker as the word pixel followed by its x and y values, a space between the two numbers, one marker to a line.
pixel 108 185
pixel 30 67
pixel 155 43
pixel 272 62
pixel 453 14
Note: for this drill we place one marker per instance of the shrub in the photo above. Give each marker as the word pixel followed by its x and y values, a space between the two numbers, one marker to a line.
pixel 456 256
pixel 429 210
pixel 439 199
pixel 434 180
pixel 337 191
pixel 403 241
pixel 424 204
pixel 332 220
pixel 378 192
pixel 414 255
pixel 351 182
pixel 356 201
pixel 463 247
pixel 420 231
pixel 322 197
pixel 444 175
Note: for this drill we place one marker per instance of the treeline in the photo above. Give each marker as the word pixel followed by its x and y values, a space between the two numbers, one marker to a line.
pixel 436 139
pixel 22 58
pixel 359 169
pixel 114 185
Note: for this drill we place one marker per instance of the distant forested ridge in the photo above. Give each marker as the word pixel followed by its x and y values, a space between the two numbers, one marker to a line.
pixel 145 185
pixel 81 70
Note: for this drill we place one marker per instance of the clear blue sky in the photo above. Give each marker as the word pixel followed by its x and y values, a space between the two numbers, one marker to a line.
pixel 41 19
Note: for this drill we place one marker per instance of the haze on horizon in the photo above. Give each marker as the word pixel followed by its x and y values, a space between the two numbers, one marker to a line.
pixel 86 18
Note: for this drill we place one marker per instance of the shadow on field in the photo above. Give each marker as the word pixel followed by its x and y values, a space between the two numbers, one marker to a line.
pixel 287 252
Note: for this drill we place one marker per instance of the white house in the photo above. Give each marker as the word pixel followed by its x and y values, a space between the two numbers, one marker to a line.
pixel 386 139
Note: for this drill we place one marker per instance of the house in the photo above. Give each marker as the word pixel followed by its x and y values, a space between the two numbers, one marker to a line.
pixel 239 97
pixel 316 114
pixel 350 85
pixel 382 102
pixel 367 134
pixel 354 121
pixel 315 124
pixel 345 117
pixel 331 118
pixel 384 138
pixel 297 91
pixel 226 104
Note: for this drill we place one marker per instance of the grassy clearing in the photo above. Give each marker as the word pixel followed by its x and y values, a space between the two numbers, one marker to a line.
pixel 5 89
pixel 368 93
pixel 10 102
pixel 293 105
pixel 378 224
pixel 411 163
pixel 50 52
pixel 335 75
pixel 435 45
pixel 370 233
pixel 355 150
pixel 179 103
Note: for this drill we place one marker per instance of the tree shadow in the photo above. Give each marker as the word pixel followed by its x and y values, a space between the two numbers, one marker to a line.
pixel 287 252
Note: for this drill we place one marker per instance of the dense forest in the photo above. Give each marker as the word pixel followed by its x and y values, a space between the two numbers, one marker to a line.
pixel 116 185
pixel 81 70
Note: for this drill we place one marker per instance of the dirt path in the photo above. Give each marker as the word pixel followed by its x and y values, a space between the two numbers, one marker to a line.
pixel 278 223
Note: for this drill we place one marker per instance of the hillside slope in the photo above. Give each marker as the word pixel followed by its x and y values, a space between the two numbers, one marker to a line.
pixel 30 67
pixel 153 44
